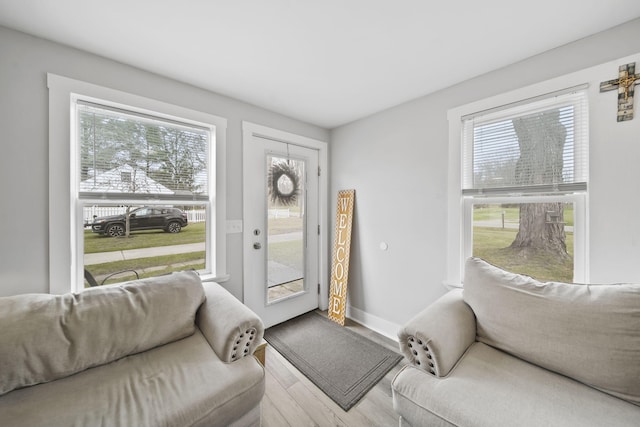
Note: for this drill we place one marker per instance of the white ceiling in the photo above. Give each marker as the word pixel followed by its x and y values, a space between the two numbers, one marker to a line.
pixel 326 62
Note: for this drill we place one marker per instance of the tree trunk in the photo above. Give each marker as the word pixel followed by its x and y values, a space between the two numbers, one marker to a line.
pixel 541 138
pixel 127 221
pixel 541 229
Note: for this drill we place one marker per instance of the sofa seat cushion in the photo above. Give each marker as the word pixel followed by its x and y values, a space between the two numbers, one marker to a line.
pixel 489 388
pixel 590 333
pixel 181 384
pixel 46 337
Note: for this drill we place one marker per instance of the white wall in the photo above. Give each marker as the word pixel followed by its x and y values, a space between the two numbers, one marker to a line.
pixel 24 196
pixel 396 161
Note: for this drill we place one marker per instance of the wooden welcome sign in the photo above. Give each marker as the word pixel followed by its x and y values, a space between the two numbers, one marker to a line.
pixel 341 249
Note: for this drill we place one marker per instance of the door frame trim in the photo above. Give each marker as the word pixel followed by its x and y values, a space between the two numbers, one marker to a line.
pixel 250 130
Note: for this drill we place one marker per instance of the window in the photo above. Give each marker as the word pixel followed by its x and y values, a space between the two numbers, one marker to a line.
pixel 132 173
pixel 131 160
pixel 524 185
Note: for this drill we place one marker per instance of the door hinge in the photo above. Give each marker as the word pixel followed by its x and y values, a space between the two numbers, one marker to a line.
pixel 318 229
pixel 318 170
pixel 318 288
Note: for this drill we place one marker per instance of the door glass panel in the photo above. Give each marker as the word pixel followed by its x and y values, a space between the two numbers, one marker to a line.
pixel 285 227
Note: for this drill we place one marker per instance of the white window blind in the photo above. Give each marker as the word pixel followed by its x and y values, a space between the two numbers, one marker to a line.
pixel 537 146
pixel 130 155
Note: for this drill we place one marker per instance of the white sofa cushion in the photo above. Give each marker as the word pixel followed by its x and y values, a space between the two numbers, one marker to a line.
pixel 489 388
pixel 587 332
pixel 182 383
pixel 46 337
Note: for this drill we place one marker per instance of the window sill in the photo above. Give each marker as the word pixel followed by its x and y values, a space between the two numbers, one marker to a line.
pixel 214 278
pixel 452 286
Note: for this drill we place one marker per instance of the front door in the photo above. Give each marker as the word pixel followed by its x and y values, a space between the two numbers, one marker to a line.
pixel 281 228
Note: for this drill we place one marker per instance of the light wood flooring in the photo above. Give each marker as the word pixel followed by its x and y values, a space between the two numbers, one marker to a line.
pixel 292 400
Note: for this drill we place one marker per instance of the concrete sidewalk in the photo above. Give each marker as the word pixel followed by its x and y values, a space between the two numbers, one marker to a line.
pixel 102 257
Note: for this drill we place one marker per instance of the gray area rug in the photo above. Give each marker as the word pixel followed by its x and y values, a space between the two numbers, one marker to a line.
pixel 342 363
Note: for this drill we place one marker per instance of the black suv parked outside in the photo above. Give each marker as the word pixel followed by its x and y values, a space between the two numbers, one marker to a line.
pixel 146 218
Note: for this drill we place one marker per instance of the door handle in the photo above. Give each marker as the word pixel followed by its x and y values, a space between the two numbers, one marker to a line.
pixel 257 245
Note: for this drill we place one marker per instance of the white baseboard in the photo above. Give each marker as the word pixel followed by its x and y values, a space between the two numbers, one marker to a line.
pixel 375 323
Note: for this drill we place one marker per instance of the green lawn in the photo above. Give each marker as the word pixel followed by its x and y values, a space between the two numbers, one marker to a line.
pixel 289 253
pixel 150 266
pixel 492 245
pixel 495 212
pixel 193 233
pixel 285 225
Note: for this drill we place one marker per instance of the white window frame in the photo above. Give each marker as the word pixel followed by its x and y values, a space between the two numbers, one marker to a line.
pixel 579 201
pixel 65 209
pixel 460 208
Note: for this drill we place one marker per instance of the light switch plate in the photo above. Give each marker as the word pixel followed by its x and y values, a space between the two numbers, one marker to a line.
pixel 234 226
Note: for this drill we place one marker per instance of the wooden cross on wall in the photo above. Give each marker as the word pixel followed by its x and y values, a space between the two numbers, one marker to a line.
pixel 625 83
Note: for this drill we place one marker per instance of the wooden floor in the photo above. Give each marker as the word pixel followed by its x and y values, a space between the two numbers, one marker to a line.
pixel 292 400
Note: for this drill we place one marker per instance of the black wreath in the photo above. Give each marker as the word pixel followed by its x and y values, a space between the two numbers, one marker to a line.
pixel 275 173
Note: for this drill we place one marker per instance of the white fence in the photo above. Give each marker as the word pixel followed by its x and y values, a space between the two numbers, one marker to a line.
pixel 193 215
pixel 196 215
pixel 89 212
pixel 282 213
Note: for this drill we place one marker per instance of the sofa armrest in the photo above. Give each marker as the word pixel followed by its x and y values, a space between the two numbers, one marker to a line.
pixel 436 338
pixel 231 328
